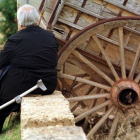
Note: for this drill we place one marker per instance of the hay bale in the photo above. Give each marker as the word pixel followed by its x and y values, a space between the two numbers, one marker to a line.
pixel 54 133
pixel 43 111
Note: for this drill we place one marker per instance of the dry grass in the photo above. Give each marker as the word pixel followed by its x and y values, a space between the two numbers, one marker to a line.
pixel 125 130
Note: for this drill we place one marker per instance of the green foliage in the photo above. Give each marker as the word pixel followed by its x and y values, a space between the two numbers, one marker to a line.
pixel 8 23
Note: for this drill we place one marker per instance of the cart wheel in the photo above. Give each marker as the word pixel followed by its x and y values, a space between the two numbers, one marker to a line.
pixel 101 72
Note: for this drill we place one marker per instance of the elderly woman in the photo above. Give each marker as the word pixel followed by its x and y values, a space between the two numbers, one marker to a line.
pixel 28 55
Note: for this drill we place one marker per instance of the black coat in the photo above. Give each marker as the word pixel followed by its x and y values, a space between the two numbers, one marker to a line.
pixel 29 49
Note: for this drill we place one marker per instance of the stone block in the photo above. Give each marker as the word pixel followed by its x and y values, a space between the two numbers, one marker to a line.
pixel 54 133
pixel 43 111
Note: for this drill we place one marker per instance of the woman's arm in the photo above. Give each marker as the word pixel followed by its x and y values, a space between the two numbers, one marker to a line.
pixel 7 53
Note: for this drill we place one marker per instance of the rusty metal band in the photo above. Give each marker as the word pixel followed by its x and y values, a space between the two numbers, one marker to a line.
pixel 125 1
pixel 92 26
pixel 41 6
pixel 53 14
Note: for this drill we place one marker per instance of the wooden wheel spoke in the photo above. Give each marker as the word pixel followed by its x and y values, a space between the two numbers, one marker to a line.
pixel 103 75
pixel 84 81
pixel 122 52
pixel 106 57
pixel 77 104
pixel 85 123
pixel 137 79
pixel 59 86
pixel 128 123
pixel 93 103
pixel 114 125
pixel 80 117
pixel 101 121
pixel 74 106
pixel 88 97
pixel 86 120
pixel 72 92
pixel 135 63
pixel 78 86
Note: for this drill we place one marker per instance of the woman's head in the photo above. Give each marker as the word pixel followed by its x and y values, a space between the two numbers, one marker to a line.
pixel 27 16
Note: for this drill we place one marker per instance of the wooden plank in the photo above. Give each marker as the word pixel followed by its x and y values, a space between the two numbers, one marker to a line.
pixel 134 5
pixel 132 30
pixel 94 6
pixel 85 20
pixel 70 24
pixel 123 7
pixel 110 11
pixel 119 1
pixel 84 10
pixel 68 13
pixel 76 2
pixel 127 13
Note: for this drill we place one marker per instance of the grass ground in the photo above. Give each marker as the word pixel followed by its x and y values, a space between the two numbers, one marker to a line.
pixel 11 132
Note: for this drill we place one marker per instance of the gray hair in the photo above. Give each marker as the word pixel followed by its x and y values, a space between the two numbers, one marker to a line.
pixel 27 15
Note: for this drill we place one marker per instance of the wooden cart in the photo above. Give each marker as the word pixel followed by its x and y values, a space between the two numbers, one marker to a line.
pixel 98 59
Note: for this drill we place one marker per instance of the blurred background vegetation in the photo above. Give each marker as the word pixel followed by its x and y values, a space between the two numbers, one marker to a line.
pixel 8 26
pixel 8 22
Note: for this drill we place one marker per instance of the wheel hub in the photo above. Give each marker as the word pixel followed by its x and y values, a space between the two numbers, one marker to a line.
pixel 125 93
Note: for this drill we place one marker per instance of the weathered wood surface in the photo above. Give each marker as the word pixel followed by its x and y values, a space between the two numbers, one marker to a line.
pixel 74 16
pixel 49 110
pixel 93 10
pixel 54 133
